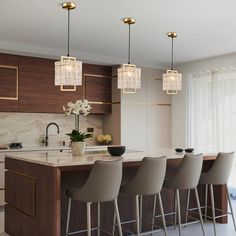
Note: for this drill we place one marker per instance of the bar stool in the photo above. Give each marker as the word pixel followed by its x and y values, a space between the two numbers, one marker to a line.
pixel 102 185
pixel 218 175
pixel 187 178
pixel 148 181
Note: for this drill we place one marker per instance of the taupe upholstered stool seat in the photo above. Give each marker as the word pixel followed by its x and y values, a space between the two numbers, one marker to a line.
pixel 218 175
pixel 102 185
pixel 148 181
pixel 186 178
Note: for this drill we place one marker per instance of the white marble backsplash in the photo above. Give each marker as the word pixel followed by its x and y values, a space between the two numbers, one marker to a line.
pixel 28 128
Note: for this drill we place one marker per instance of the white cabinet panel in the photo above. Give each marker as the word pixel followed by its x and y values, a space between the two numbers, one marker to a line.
pixel 155 94
pixel 158 127
pixel 2 197
pixel 133 126
pixel 2 179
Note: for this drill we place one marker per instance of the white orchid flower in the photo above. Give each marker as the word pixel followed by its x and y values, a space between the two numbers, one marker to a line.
pixel 80 106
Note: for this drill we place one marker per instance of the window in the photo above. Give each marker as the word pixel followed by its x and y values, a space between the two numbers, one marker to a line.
pixel 212 113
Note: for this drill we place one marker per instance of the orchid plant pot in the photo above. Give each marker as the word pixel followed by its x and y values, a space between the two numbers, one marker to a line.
pixel 78 148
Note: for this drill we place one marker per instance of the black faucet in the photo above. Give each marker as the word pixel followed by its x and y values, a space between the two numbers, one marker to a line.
pixel 45 140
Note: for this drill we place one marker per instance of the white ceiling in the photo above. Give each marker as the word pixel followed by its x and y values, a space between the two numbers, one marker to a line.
pixel 206 28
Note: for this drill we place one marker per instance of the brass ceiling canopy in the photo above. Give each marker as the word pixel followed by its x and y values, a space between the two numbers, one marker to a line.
pixel 172 34
pixel 129 20
pixel 68 5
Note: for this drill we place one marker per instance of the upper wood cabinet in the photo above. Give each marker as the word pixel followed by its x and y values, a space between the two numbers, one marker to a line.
pixel 97 81
pixel 36 89
pixel 8 82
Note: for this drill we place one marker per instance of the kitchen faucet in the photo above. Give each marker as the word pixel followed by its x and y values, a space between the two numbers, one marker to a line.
pixel 45 140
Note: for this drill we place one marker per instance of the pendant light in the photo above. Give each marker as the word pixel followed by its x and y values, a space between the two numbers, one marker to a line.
pixel 68 71
pixel 129 76
pixel 172 80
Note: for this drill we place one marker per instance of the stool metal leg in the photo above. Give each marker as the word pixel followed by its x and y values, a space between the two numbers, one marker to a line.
pixel 230 205
pixel 114 223
pixel 213 208
pixel 118 217
pixel 99 217
pixel 162 213
pixel 175 208
pixel 137 214
pixel 187 206
pixel 179 212
pixel 154 210
pixel 206 196
pixel 68 217
pixel 141 212
pixel 199 210
pixel 88 218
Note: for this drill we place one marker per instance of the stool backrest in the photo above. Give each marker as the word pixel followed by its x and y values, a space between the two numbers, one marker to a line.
pixel 220 171
pixel 103 183
pixel 150 176
pixel 189 172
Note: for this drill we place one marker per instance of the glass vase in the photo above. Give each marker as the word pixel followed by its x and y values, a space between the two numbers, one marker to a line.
pixel 77 122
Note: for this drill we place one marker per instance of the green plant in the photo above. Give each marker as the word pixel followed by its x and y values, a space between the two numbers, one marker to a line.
pixel 76 136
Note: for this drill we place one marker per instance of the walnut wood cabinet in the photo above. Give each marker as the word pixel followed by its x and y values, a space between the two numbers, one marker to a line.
pixel 8 83
pixel 30 81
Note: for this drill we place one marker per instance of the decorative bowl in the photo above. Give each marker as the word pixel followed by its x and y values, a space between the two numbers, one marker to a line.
pixel 116 150
pixel 179 150
pixel 189 150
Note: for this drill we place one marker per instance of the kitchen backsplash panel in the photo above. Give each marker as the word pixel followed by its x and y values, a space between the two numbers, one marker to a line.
pixel 29 128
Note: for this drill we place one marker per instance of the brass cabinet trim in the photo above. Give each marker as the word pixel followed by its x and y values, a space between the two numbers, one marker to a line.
pixel 17 84
pixel 62 89
pixel 147 103
pixel 99 76
pixel 91 102
pixel 21 174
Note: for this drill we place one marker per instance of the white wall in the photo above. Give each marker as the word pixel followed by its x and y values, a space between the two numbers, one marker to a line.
pixel 179 102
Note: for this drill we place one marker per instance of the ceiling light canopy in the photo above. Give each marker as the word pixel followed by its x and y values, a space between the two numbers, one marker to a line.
pixel 68 71
pixel 172 80
pixel 129 76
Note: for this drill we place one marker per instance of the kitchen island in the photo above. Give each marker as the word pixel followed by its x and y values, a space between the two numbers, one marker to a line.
pixel 36 183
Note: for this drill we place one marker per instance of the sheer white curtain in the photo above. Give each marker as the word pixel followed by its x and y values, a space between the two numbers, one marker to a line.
pixel 212 111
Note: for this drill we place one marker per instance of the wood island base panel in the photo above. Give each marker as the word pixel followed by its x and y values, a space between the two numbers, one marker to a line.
pixel 37 204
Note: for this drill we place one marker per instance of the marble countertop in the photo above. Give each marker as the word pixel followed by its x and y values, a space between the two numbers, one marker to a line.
pixel 62 159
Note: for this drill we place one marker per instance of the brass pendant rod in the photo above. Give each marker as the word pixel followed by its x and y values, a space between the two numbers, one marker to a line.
pixel 129 47
pixel 172 53
pixel 68 36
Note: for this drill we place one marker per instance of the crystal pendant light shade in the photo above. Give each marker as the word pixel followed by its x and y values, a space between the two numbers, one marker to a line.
pixel 172 81
pixel 68 71
pixel 129 78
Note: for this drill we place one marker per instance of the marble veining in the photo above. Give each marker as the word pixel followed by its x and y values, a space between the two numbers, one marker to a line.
pixel 29 128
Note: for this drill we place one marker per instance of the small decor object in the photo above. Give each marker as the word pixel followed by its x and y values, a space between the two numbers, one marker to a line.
pixel 129 76
pixel 116 150
pixel 78 142
pixel 104 139
pixel 189 150
pixel 68 71
pixel 172 80
pixel 179 150
pixel 77 108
